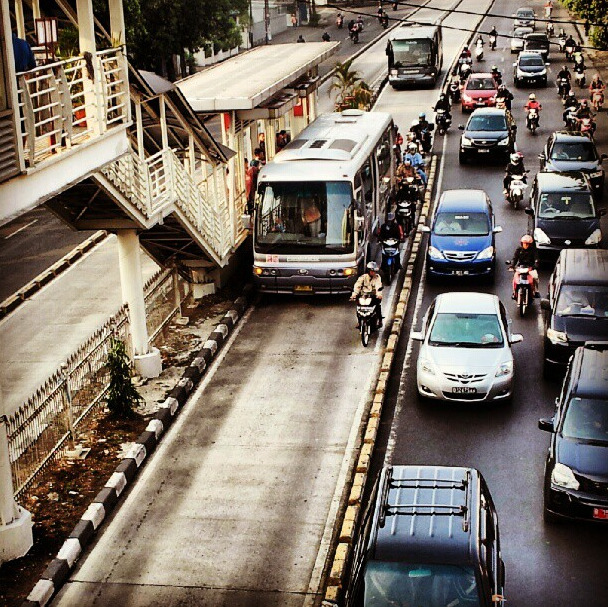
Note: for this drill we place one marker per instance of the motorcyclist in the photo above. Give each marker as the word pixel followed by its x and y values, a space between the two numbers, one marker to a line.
pixel 466 53
pixel 584 111
pixel 564 73
pixel 493 35
pixel 415 158
pixel 526 255
pixel 570 44
pixel 422 129
pixel 496 74
pixel 571 104
pixel 405 170
pixel 391 229
pixel 384 20
pixel 443 103
pixel 515 167
pixel 505 94
pixel 370 284
pixel 533 104
pixel 596 83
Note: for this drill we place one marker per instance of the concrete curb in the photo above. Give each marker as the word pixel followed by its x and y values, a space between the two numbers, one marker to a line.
pixel 16 299
pixel 58 571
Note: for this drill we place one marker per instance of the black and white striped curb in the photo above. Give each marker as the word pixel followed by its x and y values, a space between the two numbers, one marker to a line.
pixel 61 566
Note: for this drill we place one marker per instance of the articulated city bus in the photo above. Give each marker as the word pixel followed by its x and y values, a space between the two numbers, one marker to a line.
pixel 415 55
pixel 319 203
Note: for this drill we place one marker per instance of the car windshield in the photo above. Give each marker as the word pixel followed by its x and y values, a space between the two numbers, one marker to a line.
pixel 304 217
pixel 466 330
pixel 582 151
pixel 573 205
pixel 487 123
pixel 481 84
pixel 586 419
pixel 461 224
pixel 402 584
pixel 531 61
pixel 411 52
pixel 525 14
pixel 579 300
pixel 520 32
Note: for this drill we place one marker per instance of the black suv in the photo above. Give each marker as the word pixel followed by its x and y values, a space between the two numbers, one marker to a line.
pixel 429 536
pixel 567 151
pixel 576 471
pixel 576 309
pixel 489 131
pixel 563 213
pixel 530 68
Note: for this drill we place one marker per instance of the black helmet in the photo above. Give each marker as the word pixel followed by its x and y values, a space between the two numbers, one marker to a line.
pixel 565 68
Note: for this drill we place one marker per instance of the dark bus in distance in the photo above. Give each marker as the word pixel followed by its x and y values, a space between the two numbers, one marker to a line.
pixel 415 55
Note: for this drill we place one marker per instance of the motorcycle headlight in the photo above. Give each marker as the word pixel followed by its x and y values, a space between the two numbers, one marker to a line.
pixel 505 369
pixel 556 337
pixel 504 141
pixel 435 253
pixel 594 238
pixel 541 237
pixel 562 476
pixel 487 253
pixel 465 142
pixel 427 367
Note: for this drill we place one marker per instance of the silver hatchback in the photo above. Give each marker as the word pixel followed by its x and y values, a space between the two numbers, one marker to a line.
pixel 465 353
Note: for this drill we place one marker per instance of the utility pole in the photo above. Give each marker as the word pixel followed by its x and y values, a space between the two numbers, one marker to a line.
pixel 250 23
pixel 268 35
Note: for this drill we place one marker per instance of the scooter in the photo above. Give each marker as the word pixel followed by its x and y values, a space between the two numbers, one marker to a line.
pixel 390 258
pixel 571 119
pixel 354 34
pixel 597 99
pixel 563 87
pixel 442 121
pixel 523 288
pixel 367 317
pixel 579 76
pixel 492 42
pixel 407 199
pixel 464 70
pixel 395 5
pixel 587 127
pixel 569 52
pixel 339 21
pixel 454 91
pixel 550 30
pixel 561 40
pixel 517 187
pixel 384 21
pixel 532 120
pixel 479 50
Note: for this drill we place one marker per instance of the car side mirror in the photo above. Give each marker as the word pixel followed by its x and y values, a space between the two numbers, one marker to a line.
pixel 515 65
pixel 417 335
pixel 546 424
pixel 424 229
pixel 529 211
pixel 516 338
pixel 497 230
pixel 461 127
pixel 545 304
pixel 246 222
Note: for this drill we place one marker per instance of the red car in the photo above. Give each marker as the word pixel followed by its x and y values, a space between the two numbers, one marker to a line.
pixel 479 91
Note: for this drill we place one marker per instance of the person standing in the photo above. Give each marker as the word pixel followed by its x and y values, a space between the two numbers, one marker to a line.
pixel 24 56
pixel 294 20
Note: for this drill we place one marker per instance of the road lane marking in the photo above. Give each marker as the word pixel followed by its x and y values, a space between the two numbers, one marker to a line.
pixel 27 225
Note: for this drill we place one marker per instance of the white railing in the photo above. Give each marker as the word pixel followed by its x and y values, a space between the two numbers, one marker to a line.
pixel 65 103
pixel 38 432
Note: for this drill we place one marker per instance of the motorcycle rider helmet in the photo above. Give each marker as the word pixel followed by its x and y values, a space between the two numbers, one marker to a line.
pixel 422 116
pixel 564 68
pixel 412 147
pixel 494 68
pixel 526 239
pixel 390 217
pixel 515 159
pixel 571 94
pixel 407 162
pixel 502 87
pixel 532 97
pixel 372 266
pixel 465 48
pixel 441 96
pixel 584 103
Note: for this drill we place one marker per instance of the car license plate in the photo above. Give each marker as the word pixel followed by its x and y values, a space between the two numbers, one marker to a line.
pixel 464 390
pixel 460 272
pixel 303 288
pixel 600 513
pixel 482 151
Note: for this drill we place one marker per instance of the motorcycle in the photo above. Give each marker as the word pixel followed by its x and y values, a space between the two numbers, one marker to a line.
pixel 395 5
pixel 569 52
pixel 367 317
pixel 479 50
pixel 579 61
pixel 561 41
pixel 587 127
pixel 497 75
pixel 571 118
pixel 454 91
pixel 550 30
pixel 548 10
pixel 563 87
pixel 442 121
pixel 384 21
pixel 492 42
pixel 464 67
pixel 532 120
pixel 354 34
pixel 523 288
pixel 390 258
pixel 579 76
pixel 517 187
pixel 339 21
pixel 597 98
pixel 407 199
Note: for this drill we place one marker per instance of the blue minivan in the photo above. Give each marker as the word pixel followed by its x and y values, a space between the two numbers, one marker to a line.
pixel 462 235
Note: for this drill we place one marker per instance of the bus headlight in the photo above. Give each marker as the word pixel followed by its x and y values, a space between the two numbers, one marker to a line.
pixel 257 271
pixel 349 271
pixel 594 238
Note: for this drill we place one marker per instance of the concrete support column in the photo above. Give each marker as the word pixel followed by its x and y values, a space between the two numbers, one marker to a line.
pixel 117 22
pixel 19 19
pixel 16 536
pixel 147 360
pixel 36 9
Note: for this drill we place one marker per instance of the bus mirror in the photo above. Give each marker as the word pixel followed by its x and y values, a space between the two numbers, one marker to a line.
pixel 358 222
pixel 246 221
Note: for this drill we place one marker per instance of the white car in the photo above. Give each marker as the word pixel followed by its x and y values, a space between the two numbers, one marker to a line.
pixel 518 38
pixel 466 349
pixel 524 17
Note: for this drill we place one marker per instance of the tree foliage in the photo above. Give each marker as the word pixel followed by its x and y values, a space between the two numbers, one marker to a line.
pixel 353 92
pixel 122 394
pixel 596 12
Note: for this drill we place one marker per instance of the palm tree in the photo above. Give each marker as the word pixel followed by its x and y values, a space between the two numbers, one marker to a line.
pixel 353 92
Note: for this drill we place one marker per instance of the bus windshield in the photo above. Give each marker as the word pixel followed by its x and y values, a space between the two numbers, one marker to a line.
pixel 304 217
pixel 411 53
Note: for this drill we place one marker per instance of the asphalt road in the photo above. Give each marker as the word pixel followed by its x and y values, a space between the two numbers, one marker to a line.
pixel 545 565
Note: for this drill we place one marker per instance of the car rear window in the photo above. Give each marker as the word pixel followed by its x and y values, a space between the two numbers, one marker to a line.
pixel 582 151
pixel 461 223
pixel 481 84
pixel 525 14
pixel 487 123
pixel 531 61
pixel 571 205
pixel 586 419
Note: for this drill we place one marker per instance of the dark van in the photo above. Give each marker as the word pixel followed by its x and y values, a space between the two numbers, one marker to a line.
pixel 429 536
pixel 563 213
pixel 538 42
pixel 576 308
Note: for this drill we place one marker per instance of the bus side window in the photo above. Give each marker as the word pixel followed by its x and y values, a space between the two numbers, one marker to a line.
pixel 359 195
pixel 367 176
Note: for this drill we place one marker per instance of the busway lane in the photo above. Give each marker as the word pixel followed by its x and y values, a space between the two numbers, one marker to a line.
pixel 545 565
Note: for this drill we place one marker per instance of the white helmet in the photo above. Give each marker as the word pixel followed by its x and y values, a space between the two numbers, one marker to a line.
pixel 372 266
pixel 532 97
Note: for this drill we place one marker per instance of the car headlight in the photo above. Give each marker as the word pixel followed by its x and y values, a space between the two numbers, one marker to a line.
pixel 487 253
pixel 466 97
pixel 595 174
pixel 562 476
pixel 595 237
pixel 556 337
pixel 505 369
pixel 504 141
pixel 541 237
pixel 427 367
pixel 435 253
pixel 465 142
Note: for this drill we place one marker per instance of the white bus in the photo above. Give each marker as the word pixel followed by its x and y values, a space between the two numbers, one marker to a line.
pixel 319 203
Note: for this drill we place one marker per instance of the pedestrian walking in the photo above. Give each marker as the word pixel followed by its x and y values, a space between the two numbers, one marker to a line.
pixel 294 20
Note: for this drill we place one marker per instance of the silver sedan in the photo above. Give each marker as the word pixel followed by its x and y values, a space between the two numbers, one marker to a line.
pixel 466 349
pixel 517 38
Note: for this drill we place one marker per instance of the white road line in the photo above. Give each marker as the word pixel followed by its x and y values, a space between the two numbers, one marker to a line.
pixel 27 225
pixel 390 447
